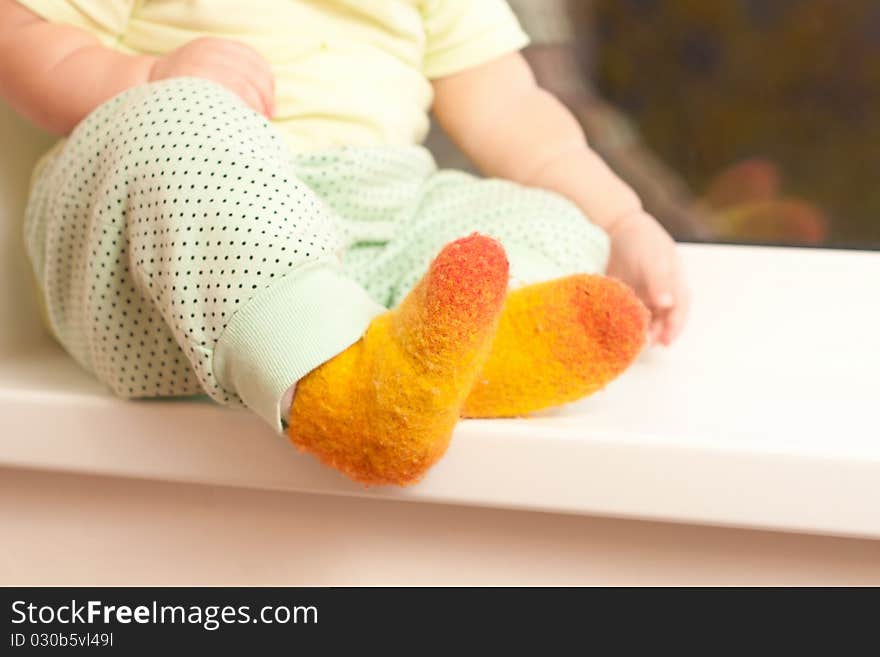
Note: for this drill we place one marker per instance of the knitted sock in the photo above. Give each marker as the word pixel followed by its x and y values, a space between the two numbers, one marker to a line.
pixel 558 341
pixel 383 411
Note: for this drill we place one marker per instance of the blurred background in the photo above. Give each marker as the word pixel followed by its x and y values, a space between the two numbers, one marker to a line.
pixel 745 121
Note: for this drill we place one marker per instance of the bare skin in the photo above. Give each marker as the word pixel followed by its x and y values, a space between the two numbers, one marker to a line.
pixel 497 114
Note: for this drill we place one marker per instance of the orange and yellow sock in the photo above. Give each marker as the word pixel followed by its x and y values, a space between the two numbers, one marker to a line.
pixel 383 411
pixel 557 342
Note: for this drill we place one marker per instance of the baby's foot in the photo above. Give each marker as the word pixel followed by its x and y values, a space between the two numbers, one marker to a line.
pixel 383 411
pixel 557 342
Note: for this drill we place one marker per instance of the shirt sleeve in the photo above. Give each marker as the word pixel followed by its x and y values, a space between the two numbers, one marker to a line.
pixel 105 18
pixel 462 34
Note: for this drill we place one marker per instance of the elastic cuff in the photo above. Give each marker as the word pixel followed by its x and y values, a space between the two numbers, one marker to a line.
pixel 288 330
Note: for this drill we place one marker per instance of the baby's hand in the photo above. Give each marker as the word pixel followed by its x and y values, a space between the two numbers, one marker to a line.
pixel 234 65
pixel 644 256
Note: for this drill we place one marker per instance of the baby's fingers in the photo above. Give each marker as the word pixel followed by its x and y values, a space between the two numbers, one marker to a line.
pixel 246 91
pixel 656 329
pixel 256 74
pixel 667 298
pixel 660 284
pixel 674 318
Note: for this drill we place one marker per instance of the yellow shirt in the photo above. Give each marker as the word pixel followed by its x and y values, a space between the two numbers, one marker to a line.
pixel 348 72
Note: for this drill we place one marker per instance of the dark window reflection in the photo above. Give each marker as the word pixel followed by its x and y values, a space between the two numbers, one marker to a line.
pixel 768 109
pixel 749 121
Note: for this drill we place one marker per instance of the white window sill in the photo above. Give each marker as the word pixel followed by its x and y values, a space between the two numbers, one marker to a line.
pixel 763 415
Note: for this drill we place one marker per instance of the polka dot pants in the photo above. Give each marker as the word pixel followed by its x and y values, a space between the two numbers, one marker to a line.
pixel 182 248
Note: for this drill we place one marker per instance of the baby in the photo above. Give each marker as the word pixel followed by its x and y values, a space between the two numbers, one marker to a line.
pixel 242 196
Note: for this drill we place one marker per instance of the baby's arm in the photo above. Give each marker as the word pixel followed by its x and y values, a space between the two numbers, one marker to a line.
pixel 56 74
pixel 513 129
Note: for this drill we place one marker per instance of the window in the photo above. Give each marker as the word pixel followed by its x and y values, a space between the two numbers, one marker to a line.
pixel 753 121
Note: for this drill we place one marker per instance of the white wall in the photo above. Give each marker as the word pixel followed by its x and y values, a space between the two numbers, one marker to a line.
pixel 67 529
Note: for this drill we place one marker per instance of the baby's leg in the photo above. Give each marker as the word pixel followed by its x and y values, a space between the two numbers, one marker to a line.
pixel 383 411
pixel 565 332
pixel 179 252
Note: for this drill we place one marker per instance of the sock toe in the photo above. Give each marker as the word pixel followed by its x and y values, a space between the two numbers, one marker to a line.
pixel 609 327
pixel 557 342
pixel 459 298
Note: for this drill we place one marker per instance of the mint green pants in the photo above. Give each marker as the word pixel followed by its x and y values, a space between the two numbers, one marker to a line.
pixel 181 248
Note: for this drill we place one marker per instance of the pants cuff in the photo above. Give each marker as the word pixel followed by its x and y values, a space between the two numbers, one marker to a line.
pixel 288 330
